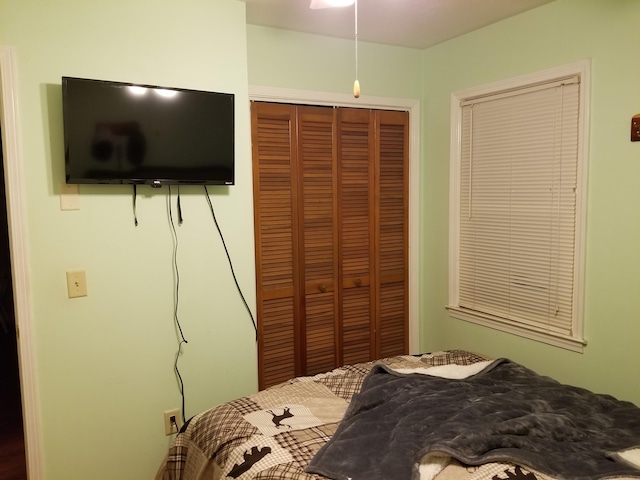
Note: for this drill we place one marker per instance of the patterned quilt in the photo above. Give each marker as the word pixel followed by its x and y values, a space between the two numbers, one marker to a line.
pixel 274 433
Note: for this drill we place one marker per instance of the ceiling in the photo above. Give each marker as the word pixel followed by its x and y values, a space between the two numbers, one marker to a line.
pixel 407 23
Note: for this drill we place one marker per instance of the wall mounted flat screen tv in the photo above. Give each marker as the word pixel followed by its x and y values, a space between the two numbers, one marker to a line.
pixel 122 133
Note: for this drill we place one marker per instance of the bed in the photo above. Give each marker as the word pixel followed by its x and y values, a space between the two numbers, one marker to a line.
pixel 451 415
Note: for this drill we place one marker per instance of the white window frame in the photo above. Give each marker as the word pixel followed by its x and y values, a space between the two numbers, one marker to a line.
pixel 575 341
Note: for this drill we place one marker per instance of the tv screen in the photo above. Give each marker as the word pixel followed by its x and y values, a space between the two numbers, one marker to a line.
pixel 124 133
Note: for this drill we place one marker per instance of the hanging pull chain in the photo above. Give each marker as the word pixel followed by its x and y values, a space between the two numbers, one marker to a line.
pixel 356 84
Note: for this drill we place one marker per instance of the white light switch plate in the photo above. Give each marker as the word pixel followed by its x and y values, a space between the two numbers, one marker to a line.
pixel 69 197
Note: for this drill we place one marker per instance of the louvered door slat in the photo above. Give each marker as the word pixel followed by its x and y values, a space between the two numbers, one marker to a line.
pixel 392 234
pixel 276 214
pixel 316 160
pixel 355 151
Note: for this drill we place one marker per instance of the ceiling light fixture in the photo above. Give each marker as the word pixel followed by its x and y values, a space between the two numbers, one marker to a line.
pixel 319 4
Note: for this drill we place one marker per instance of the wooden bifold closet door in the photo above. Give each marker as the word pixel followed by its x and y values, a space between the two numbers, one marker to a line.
pixel 330 203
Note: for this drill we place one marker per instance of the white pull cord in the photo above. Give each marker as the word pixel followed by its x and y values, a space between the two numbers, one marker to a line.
pixel 356 84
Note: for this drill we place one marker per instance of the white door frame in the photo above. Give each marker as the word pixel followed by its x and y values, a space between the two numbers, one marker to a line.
pixel 283 95
pixel 18 243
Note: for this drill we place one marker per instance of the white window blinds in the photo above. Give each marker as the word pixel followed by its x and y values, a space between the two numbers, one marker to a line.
pixel 517 200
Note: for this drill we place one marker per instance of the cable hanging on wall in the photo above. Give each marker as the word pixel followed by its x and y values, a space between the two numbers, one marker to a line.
pixel 233 273
pixel 176 319
pixel 135 207
pixel 182 340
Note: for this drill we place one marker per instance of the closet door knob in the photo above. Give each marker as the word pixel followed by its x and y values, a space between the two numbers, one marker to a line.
pixel 322 287
pixel 357 282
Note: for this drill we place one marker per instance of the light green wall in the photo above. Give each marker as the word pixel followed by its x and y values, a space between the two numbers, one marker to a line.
pixel 105 362
pixel 286 59
pixel 559 33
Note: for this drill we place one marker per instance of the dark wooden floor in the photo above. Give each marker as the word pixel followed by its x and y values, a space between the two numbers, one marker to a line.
pixel 12 459
pixel 12 455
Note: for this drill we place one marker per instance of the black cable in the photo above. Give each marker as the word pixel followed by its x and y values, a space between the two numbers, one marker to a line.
pixel 179 208
pixel 177 298
pixel 233 273
pixel 135 213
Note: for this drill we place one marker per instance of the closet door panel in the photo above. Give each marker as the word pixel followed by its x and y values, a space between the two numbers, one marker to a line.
pixel 357 257
pixel 319 266
pixel 276 227
pixel 392 230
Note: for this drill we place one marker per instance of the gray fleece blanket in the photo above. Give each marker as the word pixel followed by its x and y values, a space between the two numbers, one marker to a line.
pixel 505 413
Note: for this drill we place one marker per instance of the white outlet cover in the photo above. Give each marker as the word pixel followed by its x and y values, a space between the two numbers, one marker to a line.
pixel 77 283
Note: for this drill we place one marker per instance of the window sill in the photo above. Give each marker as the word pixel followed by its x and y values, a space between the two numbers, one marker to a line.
pixel 558 340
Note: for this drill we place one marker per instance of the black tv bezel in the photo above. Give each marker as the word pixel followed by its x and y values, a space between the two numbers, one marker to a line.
pixel 154 181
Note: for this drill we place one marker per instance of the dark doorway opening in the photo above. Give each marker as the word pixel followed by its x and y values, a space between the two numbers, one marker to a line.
pixel 12 447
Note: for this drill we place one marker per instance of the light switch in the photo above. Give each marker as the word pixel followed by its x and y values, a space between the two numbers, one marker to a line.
pixel 77 283
pixel 69 197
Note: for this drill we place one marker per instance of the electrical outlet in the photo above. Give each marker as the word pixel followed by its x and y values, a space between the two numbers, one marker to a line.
pixel 77 283
pixel 171 421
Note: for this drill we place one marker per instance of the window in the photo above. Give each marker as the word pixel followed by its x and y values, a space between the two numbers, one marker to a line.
pixel 518 171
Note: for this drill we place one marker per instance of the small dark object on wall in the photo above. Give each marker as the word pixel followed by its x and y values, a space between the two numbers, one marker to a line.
pixel 635 128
